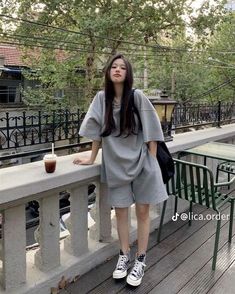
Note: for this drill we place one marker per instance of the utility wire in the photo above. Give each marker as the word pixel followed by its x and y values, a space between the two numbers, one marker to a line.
pixel 43 40
pixel 201 64
pixel 41 44
pixel 184 62
pixel 62 47
pixel 214 89
pixel 109 53
pixel 147 56
pixel 78 33
pixel 54 48
pixel 157 46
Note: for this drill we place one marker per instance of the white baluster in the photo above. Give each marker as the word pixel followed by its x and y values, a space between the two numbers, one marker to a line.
pixel 14 244
pixel 48 256
pixel 77 243
pixel 102 229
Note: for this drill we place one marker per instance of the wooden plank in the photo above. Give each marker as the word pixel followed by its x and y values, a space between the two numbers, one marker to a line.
pixel 101 275
pixel 205 279
pixel 226 283
pixel 163 272
pixel 195 272
pixel 168 255
pixel 158 254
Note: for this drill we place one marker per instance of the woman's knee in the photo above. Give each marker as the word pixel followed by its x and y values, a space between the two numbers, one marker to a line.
pixel 142 212
pixel 121 213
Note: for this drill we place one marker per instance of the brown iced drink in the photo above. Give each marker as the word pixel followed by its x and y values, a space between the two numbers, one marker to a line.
pixel 50 162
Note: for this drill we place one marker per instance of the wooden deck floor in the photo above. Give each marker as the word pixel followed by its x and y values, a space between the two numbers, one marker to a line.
pixel 181 263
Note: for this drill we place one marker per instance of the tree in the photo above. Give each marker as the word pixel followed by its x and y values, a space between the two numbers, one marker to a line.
pixel 89 32
pixel 222 57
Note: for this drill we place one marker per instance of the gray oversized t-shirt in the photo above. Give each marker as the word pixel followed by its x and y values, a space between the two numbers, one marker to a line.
pixel 122 157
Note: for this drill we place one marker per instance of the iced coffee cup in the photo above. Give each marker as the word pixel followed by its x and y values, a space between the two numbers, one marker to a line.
pixel 50 162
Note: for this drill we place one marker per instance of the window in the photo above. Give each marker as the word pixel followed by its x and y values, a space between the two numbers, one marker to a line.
pixel 3 94
pixel 8 94
pixel 12 94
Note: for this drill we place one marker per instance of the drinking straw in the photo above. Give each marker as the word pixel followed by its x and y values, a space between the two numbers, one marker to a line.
pixel 52 147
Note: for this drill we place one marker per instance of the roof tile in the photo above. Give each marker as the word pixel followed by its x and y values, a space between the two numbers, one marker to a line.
pixel 12 55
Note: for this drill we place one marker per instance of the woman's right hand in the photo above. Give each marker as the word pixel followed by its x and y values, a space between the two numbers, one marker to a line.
pixel 83 161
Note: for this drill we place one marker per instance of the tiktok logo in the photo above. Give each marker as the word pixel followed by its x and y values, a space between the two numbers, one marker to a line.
pixel 175 217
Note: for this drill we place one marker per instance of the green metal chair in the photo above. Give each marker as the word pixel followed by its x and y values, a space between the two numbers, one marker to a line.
pixel 227 168
pixel 195 183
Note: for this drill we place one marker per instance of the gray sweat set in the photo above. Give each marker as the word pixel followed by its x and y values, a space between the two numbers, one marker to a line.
pixel 131 173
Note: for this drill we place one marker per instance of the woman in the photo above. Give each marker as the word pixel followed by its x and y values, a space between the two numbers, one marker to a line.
pixel 129 130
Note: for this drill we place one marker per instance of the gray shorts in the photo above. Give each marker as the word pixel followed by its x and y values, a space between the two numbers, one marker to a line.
pixel 146 188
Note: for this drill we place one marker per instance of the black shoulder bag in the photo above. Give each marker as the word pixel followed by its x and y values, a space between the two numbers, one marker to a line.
pixel 164 157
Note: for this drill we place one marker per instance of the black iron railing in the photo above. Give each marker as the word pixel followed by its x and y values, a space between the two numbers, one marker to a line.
pixel 40 128
pixel 202 114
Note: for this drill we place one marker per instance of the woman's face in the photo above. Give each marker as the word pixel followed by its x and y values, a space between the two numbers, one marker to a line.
pixel 118 71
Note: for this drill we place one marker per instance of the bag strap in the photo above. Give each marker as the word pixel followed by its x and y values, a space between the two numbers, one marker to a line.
pixel 136 111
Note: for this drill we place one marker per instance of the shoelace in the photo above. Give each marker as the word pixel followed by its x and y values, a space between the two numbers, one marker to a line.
pixel 122 261
pixel 138 268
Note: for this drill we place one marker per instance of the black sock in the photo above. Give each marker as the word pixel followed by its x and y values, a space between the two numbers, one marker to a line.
pixel 141 257
pixel 122 253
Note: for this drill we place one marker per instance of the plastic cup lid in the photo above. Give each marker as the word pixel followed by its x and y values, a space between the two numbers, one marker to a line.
pixel 49 156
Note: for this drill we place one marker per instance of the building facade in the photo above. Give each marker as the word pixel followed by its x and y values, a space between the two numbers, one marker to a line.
pixel 11 78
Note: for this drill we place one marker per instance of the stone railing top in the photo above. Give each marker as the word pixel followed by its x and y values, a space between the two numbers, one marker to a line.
pixel 22 181
pixel 194 138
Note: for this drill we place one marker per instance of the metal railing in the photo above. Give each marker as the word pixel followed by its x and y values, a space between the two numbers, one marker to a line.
pixel 202 114
pixel 40 128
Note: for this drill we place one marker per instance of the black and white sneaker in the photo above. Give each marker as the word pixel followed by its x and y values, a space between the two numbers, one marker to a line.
pixel 135 276
pixel 122 265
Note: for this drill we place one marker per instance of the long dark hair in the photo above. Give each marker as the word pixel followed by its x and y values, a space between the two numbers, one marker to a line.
pixel 127 118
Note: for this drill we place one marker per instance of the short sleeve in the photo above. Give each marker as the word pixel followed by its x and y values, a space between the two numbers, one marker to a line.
pixel 152 130
pixel 91 125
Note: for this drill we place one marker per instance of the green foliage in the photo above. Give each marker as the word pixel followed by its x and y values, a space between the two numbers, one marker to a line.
pixel 92 30
pixel 224 41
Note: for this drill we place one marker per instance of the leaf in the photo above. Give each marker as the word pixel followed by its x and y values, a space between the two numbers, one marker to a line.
pixel 54 290
pixel 62 283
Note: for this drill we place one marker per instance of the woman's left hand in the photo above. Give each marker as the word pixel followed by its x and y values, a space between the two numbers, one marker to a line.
pixel 83 161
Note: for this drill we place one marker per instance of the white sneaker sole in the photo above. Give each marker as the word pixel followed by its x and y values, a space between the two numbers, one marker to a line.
pixel 119 275
pixel 132 282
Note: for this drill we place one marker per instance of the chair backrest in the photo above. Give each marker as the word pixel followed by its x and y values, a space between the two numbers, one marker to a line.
pixel 193 182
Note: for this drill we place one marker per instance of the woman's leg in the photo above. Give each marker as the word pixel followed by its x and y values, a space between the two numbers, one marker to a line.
pixel 123 228
pixel 123 234
pixel 142 215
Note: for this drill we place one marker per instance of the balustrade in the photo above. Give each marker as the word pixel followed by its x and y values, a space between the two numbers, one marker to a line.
pixel 28 128
pixel 21 184
pixel 35 270
pixel 38 269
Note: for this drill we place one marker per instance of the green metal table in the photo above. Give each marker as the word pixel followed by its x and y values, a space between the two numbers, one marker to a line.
pixel 216 150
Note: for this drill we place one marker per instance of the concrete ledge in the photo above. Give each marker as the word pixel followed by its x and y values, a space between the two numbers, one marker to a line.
pixel 21 181
pixel 18 184
pixel 30 179
pixel 194 138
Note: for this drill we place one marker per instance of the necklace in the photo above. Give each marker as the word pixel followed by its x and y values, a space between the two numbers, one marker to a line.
pixel 117 100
